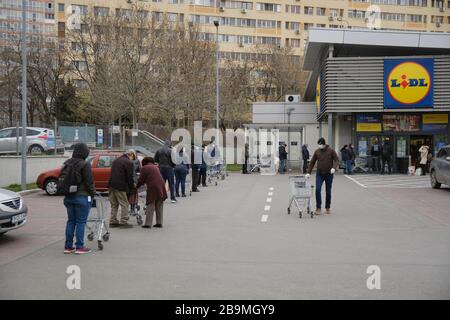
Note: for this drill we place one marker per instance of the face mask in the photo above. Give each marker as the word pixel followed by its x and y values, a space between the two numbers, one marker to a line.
pixel 321 146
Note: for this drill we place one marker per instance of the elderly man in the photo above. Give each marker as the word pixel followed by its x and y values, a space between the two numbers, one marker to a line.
pixel 121 182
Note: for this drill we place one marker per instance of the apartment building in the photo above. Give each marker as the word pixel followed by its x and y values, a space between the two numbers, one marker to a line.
pixel 40 16
pixel 245 23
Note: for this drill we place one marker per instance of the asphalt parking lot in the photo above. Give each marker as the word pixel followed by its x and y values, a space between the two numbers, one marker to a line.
pixel 236 241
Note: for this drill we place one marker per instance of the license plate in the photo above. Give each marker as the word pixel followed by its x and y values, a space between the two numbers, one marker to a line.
pixel 18 218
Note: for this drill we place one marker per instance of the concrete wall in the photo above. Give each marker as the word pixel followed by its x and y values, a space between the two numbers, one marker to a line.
pixel 11 166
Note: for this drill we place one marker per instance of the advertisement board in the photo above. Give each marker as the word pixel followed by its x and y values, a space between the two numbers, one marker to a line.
pixel 401 122
pixel 408 83
pixel 368 123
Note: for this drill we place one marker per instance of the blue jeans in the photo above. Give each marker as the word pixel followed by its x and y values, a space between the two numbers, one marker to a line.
pixel 328 179
pixel 180 178
pixel 78 208
pixel 349 166
pixel 168 175
pixel 282 167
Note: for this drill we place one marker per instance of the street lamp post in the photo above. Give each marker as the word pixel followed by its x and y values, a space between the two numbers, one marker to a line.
pixel 24 97
pixel 216 23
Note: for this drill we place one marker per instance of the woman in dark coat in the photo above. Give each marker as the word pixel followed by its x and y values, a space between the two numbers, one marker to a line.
pixel 156 192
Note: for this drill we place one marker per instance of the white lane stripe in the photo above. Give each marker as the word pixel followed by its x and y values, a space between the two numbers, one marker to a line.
pixel 267 208
pixel 398 182
pixel 270 194
pixel 393 179
pixel 269 200
pixel 264 218
pixel 271 188
pixel 356 181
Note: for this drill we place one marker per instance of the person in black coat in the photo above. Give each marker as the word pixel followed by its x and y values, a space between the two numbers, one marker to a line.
pixel 121 183
pixel 305 158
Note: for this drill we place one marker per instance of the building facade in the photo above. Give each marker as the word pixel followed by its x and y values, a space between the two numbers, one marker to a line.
pixel 377 88
pixel 40 16
pixel 284 22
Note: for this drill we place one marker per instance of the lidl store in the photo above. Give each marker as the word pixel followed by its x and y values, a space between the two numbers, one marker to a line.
pixel 373 87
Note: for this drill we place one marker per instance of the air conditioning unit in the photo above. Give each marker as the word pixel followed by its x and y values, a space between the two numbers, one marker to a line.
pixel 330 18
pixel 292 98
pixel 241 44
pixel 441 9
pixel 221 9
pixel 244 11
pixel 297 31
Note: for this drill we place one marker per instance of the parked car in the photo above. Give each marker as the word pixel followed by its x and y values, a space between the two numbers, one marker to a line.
pixel 13 211
pixel 101 169
pixel 38 141
pixel 440 168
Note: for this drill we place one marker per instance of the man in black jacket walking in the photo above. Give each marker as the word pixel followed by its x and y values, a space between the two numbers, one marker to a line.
pixel 121 182
pixel 163 157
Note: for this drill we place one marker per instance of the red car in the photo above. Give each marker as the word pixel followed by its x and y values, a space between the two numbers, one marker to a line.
pixel 101 170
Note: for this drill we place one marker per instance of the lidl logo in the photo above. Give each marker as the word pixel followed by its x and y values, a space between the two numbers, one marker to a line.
pixel 408 83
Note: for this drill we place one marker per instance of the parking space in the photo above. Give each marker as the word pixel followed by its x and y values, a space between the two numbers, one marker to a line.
pixel 391 181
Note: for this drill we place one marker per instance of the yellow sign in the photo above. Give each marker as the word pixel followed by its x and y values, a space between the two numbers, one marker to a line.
pixel 409 83
pixel 318 94
pixel 368 127
pixel 434 118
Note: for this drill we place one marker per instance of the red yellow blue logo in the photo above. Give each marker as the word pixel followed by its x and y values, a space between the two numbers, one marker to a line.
pixel 408 83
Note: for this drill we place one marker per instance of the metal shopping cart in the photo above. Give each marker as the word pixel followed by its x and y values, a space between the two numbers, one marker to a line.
pixel 301 193
pixel 96 223
pixel 216 172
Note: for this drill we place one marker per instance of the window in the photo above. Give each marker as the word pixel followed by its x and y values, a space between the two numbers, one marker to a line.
pixel 81 9
pixel 443 153
pixel 101 11
pixel 268 7
pixel 321 11
pixel 309 10
pixel 105 161
pixel 6 133
pixel 61 7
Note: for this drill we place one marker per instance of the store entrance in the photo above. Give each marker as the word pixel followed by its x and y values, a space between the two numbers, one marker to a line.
pixel 415 143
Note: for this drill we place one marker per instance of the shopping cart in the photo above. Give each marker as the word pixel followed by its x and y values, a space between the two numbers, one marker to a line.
pixel 301 193
pixel 133 198
pixel 96 223
pixel 214 173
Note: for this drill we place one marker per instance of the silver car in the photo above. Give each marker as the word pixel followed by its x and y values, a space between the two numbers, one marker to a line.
pixel 440 168
pixel 39 140
pixel 13 212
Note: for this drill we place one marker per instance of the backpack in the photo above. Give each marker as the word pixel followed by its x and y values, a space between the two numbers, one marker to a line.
pixel 70 179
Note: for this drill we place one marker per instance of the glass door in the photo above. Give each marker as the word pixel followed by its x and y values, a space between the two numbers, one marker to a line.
pixel 401 156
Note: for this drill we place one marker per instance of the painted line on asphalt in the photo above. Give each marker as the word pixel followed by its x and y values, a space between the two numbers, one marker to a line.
pixel 264 218
pixel 269 200
pixel 355 181
pixel 270 194
pixel 271 189
pixel 267 208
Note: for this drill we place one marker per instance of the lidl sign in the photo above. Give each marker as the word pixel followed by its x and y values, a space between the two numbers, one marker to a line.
pixel 408 83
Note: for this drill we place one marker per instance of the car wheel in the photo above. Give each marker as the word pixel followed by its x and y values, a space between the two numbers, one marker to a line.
pixel 51 187
pixel 35 149
pixel 434 183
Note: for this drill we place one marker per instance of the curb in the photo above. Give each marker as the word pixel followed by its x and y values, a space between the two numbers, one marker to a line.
pixel 27 192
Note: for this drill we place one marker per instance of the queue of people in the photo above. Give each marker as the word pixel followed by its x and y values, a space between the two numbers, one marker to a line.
pixel 127 175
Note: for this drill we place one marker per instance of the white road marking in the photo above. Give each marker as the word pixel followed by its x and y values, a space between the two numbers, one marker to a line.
pixel 269 200
pixel 394 181
pixel 356 181
pixel 267 208
pixel 264 218
pixel 270 194
pixel 271 188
